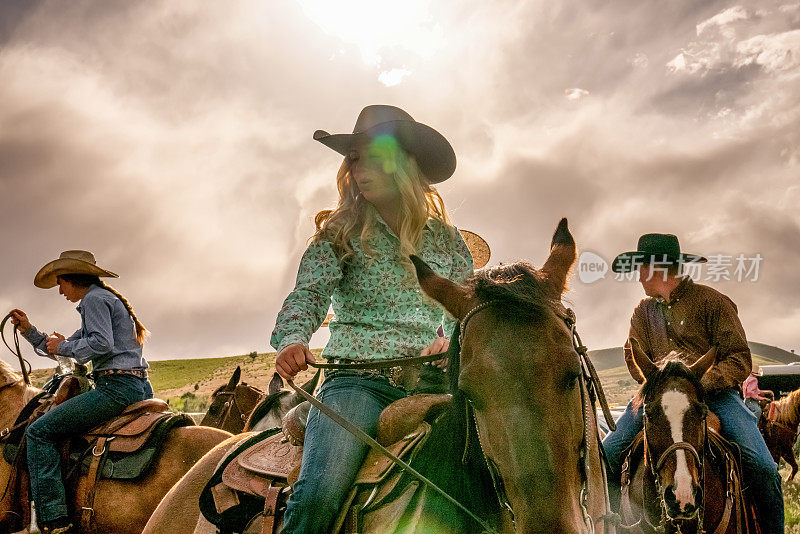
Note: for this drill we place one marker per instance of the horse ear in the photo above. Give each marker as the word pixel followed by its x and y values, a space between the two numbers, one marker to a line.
pixel 311 385
pixel 237 374
pixel 643 362
pixel 450 295
pixel 705 362
pixel 561 258
pixel 275 385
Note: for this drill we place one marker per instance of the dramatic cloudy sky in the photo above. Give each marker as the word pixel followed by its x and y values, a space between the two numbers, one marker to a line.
pixel 173 139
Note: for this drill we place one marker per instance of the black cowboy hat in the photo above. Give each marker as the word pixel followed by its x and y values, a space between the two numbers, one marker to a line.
pixel 434 155
pixel 653 248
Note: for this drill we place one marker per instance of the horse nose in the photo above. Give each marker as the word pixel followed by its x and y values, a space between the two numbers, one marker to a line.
pixel 676 510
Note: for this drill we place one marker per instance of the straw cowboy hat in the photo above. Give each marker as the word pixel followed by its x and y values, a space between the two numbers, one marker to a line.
pixel 652 248
pixel 70 262
pixel 478 247
pixel 434 155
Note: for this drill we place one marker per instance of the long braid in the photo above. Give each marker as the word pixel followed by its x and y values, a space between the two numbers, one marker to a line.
pixel 141 331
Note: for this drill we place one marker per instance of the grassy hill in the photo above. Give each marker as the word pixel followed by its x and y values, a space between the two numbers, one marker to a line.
pixel 188 384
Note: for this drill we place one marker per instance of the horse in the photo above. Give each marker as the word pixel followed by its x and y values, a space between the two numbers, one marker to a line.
pixel 232 404
pixel 120 506
pixel 518 446
pixel 778 425
pixel 269 412
pixel 685 479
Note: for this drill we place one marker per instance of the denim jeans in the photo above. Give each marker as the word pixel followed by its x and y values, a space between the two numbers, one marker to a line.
pixel 112 394
pixel 739 425
pixel 331 455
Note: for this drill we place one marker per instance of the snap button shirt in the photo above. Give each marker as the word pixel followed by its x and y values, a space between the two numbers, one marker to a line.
pixel 694 318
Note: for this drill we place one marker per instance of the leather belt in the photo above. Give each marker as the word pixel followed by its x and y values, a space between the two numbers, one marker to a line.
pixel 139 373
pixel 403 377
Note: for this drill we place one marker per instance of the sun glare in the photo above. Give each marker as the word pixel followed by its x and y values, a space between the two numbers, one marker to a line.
pixel 380 28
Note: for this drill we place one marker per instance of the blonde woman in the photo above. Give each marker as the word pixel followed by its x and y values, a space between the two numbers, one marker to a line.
pixel 358 262
pixel 111 338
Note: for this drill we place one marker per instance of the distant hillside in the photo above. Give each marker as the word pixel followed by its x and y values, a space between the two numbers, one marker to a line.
pixel 177 380
pixel 609 358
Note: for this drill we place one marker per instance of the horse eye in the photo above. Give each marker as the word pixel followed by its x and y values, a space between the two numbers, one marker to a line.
pixel 570 381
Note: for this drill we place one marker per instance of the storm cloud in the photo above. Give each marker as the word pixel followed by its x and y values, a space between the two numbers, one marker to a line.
pixel 173 139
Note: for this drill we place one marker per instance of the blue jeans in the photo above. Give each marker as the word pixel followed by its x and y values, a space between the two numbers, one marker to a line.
pixel 331 455
pixel 112 394
pixel 739 425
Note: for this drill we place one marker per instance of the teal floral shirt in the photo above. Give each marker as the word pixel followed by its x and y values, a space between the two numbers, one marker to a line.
pixel 379 308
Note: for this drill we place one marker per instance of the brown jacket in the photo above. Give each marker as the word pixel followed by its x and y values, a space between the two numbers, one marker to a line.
pixel 695 318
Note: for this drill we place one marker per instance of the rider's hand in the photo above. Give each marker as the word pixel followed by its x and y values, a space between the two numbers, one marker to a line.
pixel 21 321
pixel 53 341
pixel 440 344
pixel 293 359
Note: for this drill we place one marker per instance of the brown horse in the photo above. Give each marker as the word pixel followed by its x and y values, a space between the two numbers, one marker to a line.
pixel 678 486
pixel 532 424
pixel 121 507
pixel 778 425
pixel 231 404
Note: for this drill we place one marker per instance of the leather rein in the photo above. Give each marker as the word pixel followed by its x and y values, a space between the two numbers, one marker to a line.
pixel 24 365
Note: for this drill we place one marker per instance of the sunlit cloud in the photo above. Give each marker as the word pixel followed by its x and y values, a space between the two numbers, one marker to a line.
pixel 393 77
pixel 379 28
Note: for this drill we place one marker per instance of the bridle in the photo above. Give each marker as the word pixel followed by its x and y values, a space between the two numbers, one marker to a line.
pixel 655 469
pixel 230 405
pixel 591 392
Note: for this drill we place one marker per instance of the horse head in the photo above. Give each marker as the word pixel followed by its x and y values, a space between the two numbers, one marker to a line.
pixel 675 430
pixel 231 404
pixel 268 414
pixel 520 372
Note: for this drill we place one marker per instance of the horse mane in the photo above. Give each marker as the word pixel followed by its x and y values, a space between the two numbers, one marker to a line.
pixel 788 408
pixel 518 286
pixel 263 407
pixel 673 369
pixel 453 460
pixel 9 376
pixel 8 373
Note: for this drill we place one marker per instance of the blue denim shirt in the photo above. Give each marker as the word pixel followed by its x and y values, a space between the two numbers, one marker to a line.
pixel 107 335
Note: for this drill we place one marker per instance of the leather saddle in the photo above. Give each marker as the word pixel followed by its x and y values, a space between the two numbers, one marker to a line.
pixel 268 467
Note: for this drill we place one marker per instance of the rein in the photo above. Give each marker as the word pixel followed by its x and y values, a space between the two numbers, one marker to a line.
pixel 18 353
pixel 381 364
pixel 368 440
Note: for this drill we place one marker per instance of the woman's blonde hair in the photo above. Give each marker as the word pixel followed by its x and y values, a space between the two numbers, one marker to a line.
pixel 355 216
